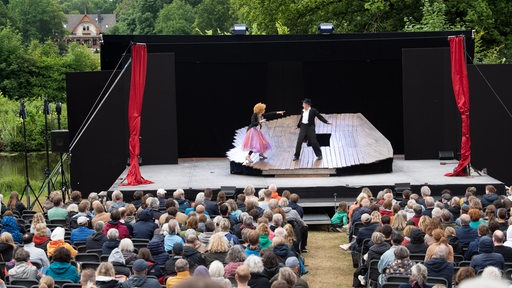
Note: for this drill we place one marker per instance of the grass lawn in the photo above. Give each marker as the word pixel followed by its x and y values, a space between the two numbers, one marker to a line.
pixel 328 265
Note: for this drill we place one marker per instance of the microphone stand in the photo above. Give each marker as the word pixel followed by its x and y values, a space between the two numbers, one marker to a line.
pixel 28 188
pixel 46 112
pixel 63 178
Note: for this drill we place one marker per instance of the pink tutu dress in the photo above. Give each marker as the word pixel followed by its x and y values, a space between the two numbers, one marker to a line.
pixel 255 141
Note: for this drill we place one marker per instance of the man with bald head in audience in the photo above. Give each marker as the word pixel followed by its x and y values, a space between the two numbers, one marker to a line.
pixel 498 238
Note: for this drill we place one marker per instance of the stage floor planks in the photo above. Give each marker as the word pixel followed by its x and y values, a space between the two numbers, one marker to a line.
pixel 353 141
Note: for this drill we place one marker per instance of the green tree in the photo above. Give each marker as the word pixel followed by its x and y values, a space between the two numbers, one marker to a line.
pixel 80 59
pixel 214 15
pixel 176 18
pixel 88 6
pixel 16 66
pixel 38 19
pixel 434 18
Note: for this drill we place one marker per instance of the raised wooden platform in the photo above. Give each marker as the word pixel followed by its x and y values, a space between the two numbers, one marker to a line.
pixel 354 145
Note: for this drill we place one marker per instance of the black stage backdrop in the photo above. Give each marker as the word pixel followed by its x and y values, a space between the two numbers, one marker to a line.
pixel 432 121
pixel 101 153
pixel 220 78
pixel 491 125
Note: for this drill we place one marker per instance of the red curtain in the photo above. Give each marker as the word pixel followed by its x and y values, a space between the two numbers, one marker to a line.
pixel 137 84
pixel 461 91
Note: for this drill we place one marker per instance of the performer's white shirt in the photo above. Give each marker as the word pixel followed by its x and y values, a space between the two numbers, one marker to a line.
pixel 305 116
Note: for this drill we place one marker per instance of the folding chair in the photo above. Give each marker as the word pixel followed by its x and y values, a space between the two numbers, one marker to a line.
pixel 402 279
pixel 391 285
pixel 89 265
pixel 87 257
pixel 63 282
pixel 417 257
pixel 24 282
pixel 436 280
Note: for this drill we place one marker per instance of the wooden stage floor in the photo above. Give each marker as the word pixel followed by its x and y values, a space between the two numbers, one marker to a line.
pixel 196 174
pixel 353 141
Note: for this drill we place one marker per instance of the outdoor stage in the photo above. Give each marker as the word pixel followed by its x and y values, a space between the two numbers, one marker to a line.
pixel 195 174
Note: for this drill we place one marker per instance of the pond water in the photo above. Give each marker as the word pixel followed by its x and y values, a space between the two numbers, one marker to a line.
pixel 13 164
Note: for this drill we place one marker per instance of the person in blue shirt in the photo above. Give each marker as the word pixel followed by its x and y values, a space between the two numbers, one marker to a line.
pixel 82 232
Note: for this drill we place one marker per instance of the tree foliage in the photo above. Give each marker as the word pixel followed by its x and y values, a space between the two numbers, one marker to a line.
pixel 176 18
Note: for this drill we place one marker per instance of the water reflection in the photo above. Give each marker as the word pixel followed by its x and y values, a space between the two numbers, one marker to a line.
pixel 13 164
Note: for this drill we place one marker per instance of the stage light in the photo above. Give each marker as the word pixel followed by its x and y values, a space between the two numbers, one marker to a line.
pixel 239 29
pixel 325 28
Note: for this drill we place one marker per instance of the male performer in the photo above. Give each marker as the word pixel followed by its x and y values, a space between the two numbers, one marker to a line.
pixel 307 129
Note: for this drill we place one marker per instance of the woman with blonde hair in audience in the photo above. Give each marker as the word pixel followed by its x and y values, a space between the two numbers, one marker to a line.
pixel 439 239
pixel 217 249
pixel 99 213
pixel 423 223
pixel 127 249
pixel 451 237
pixel 36 219
pixel 41 238
pixel 399 222
pixel 46 282
pixel 106 276
pixel 291 238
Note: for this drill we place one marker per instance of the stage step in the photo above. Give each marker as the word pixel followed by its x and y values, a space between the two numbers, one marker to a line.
pixel 317 219
pixel 300 172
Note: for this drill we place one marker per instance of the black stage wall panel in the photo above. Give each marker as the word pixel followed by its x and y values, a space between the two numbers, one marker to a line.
pixel 100 154
pixel 490 124
pixel 431 118
pixel 105 142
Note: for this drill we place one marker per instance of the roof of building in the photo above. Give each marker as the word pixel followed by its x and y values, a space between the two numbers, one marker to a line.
pixel 102 21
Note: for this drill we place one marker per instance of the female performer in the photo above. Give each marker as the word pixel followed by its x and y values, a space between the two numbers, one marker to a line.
pixel 254 140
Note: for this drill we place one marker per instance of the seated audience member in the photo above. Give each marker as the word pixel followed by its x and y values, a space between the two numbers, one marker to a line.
pixel 96 239
pixel 191 252
pixel 225 227
pixel 112 241
pixel 106 276
pixel 139 278
pixel 438 266
pixel 256 269
pixel 61 268
pixel 216 271
pixel 183 203
pixel 23 269
pixel 153 268
pixel 160 195
pixel 253 247
pixel 465 233
pixel 177 253
pixel 482 231
pixel 450 234
pixel 217 249
pixel 235 258
pixel 487 256
pixel 115 223
pixel 99 213
pixel 375 252
pixel 389 256
pixel 401 265
pixel 127 249
pixel 172 235
pixel 87 278
pixel 490 196
pixel 498 238
pixel 270 262
pixel 210 206
pixel 182 273
pixel 41 239
pixel 418 279
pixel 36 219
pixel 439 239
pixel 37 255
pixel 10 225
pixel 502 219
pixel 57 212
pixel 417 244
pixel 57 241
pixel 242 276
pixel 117 259
pixel 418 212
pixel 117 198
pixel 464 273
pixel 82 232
pixel 340 217
pixel 293 216
pixel 156 247
pixel 145 226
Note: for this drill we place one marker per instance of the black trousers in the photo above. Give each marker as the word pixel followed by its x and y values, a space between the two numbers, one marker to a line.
pixel 307 132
